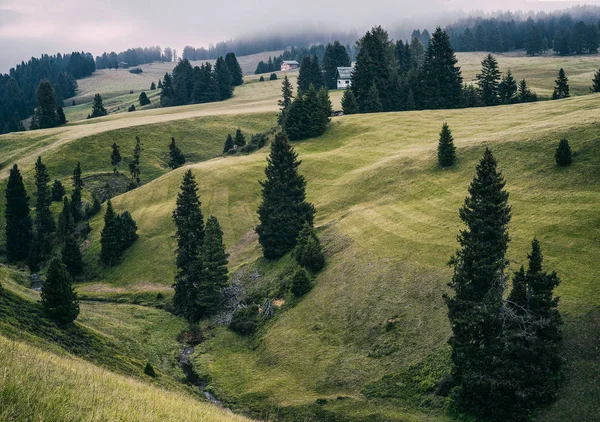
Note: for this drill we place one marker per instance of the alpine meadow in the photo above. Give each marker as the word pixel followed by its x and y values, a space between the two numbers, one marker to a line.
pixel 354 220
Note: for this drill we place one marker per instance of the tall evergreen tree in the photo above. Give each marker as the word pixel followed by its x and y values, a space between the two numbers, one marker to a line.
pixel 176 157
pixel 561 90
pixel 287 94
pixel 115 157
pixel 508 88
pixel 77 181
pixel 524 94
pixel 214 269
pixel 45 115
pixel 109 237
pixel 44 222
pixel 77 204
pixel 239 139
pixel 58 191
pixel 372 103
pixel 71 256
pixel 66 223
pixel 143 99
pixel 596 82
pixel 59 299
pixel 61 119
pixel 349 104
pixel 134 164
pixel 98 109
pixel 224 79
pixel 237 78
pixel 152 86
pixel 478 283
pixel 308 252
pixel 335 56
pixel 167 94
pixel 489 80
pixel 18 220
pixel 284 209
pixel 446 149
pixel 189 223
pixel 228 144
pixel 563 155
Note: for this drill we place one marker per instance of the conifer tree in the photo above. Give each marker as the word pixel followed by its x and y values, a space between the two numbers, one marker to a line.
pixel 488 81
pixel 308 252
pixel 77 204
pixel 508 88
pixel 152 86
pixel 524 94
pixel 349 104
pixel 66 223
pixel 284 209
pixel 18 221
pixel 240 139
pixel 224 79
pixel 77 181
pixel 596 82
pixel 286 100
pixel 167 94
pixel 160 85
pixel 71 256
pixel 446 149
pixel 561 90
pixel 143 99
pixel 61 119
pixel 115 157
pixel 478 282
pixel 35 256
pixel 59 299
pixel 109 237
pixel 237 78
pixel 189 223
pixel 214 269
pixel 58 191
pixel 300 283
pixel 372 103
pixel 98 109
pixel 44 222
pixel 45 114
pixel 176 157
pixel 134 164
pixel 335 56
pixel 563 153
pixel 228 144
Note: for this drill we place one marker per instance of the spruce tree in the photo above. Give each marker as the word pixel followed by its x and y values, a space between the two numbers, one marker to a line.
pixel 134 164
pixel 335 56
pixel 115 157
pixel 109 237
pixel 308 252
pixel 152 86
pixel 240 139
pixel 167 94
pixel 59 299
pixel 287 93
pixel 561 90
pixel 58 191
pixel 349 104
pixel 284 209
pixel 596 82
pixel 71 256
pixel 66 223
pixel 508 88
pixel 18 221
pixel 301 283
pixel 176 157
pixel 214 269
pixel 44 221
pixel 189 224
pixel 45 114
pixel 524 94
pixel 77 181
pixel 98 109
pixel 143 99
pixel 372 103
pixel 478 283
pixel 61 119
pixel 488 81
pixel 446 149
pixel 224 79
pixel 77 204
pixel 228 144
pixel 35 257
pixel 237 78
pixel 160 85
pixel 563 153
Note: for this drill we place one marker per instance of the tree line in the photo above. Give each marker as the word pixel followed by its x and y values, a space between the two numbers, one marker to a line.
pixel 134 57
pixel 19 87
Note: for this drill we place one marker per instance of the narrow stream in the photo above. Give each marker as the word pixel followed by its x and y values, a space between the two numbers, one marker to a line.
pixel 193 378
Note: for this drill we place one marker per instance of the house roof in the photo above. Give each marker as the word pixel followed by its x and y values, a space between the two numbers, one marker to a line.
pixel 290 62
pixel 344 72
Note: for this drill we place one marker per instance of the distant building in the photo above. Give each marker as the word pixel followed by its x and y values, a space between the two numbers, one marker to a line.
pixel 289 65
pixel 344 77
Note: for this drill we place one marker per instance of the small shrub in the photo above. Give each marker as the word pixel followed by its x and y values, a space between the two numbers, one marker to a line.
pixel 132 108
pixel 245 320
pixel 149 370
pixel 308 252
pixel 301 283
pixel 58 191
pixel 262 79
pixel 160 296
pixel 563 153
pixel 273 77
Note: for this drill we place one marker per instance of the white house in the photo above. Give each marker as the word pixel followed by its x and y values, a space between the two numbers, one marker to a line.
pixel 289 65
pixel 344 77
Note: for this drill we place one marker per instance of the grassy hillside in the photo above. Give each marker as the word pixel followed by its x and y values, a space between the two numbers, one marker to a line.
pixel 389 220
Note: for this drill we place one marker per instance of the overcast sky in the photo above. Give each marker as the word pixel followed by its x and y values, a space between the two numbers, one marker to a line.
pixel 32 27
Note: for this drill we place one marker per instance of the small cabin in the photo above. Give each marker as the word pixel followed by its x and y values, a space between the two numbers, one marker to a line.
pixel 289 65
pixel 344 77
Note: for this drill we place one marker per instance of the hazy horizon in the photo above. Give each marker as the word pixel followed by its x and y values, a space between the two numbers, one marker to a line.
pixel 31 28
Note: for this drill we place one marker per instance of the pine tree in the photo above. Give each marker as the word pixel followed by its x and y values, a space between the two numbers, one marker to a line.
pixel 59 299
pixel 563 153
pixel 214 269
pixel 109 237
pixel 58 191
pixel 524 94
pixel 228 144
pixel 237 78
pixel 160 85
pixel 44 222
pixel 66 223
pixel 35 257
pixel 446 149
pixel 190 238
pixel 300 283
pixel 273 77
pixel 239 139
pixel 18 221
pixel 176 157
pixel 561 90
pixel 488 81
pixel 134 164
pixel 77 181
pixel 372 103
pixel 508 89
pixel 45 114
pixel 286 100
pixel 224 79
pixel 284 209
pixel 335 56
pixel 98 109
pixel 77 204
pixel 308 252
pixel 61 119
pixel 152 86
pixel 596 82
pixel 143 99
pixel 349 104
pixel 115 157
pixel 478 282
pixel 71 256
pixel 167 94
